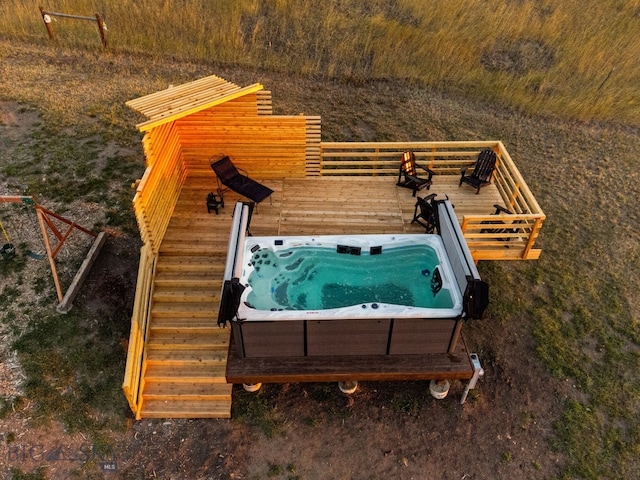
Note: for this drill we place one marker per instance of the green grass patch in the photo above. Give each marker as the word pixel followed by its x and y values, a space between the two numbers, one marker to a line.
pixel 587 337
pixel 8 405
pixel 257 410
pixel 11 266
pixel 74 364
pixel 38 474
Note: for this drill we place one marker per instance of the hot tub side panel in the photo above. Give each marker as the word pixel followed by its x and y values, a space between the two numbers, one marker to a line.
pixel 270 339
pixel 346 337
pixel 421 335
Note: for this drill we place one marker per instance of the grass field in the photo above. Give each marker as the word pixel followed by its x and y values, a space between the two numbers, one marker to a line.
pixel 573 60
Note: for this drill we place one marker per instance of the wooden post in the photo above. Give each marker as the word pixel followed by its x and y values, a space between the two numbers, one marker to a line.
pixel 46 18
pixel 101 29
pixel 52 263
pixel 532 237
pixel 465 223
pixel 65 304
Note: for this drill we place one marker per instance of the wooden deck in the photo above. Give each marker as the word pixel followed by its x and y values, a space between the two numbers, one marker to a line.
pixel 177 355
pixel 186 352
pixel 428 366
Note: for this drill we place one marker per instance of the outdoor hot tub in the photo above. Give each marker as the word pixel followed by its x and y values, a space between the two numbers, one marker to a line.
pixel 346 277
pixel 348 295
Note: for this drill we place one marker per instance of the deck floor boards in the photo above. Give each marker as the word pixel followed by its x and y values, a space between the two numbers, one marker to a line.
pixel 187 353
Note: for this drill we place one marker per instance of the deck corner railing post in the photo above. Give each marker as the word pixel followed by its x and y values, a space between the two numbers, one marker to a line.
pixel 531 240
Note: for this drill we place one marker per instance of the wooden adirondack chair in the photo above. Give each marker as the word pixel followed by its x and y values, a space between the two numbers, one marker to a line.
pixel 482 170
pixel 424 213
pixel 408 175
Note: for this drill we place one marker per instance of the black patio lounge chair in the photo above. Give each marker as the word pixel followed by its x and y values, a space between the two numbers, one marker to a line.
pixel 408 175
pixel 482 170
pixel 424 213
pixel 228 175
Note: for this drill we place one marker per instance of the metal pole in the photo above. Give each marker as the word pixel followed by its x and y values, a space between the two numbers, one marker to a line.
pixel 477 373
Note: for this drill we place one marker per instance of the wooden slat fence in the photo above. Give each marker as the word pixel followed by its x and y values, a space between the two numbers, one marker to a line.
pixel 518 233
pixel 266 146
pixel 383 158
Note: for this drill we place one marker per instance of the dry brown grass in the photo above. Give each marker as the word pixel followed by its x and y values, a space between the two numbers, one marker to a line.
pixel 571 58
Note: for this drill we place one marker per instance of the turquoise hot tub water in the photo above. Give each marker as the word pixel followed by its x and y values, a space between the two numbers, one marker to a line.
pixel 311 278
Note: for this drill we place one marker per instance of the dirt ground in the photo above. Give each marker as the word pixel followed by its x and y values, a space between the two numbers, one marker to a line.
pixel 313 431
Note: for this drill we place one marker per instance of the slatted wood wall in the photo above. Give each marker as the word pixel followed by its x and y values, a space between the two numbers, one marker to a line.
pixel 158 190
pixel 265 145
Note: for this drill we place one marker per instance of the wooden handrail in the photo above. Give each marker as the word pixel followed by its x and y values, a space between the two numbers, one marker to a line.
pixel 139 329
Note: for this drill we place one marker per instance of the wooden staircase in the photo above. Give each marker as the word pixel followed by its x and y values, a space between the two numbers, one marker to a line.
pixel 186 351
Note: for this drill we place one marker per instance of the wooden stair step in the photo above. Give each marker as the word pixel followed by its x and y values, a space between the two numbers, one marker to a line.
pixel 194 260
pixel 187 391
pixel 189 279
pixel 180 247
pixel 202 372
pixel 199 327
pixel 185 323
pixel 185 309
pixel 187 254
pixel 186 357
pixel 186 340
pixel 186 409
pixel 162 293
pixel 202 236
pixel 211 265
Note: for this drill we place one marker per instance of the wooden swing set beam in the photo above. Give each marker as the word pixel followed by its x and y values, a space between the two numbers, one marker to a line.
pixel 44 220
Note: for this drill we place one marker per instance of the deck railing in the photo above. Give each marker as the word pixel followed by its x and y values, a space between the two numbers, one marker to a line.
pixel 139 326
pixel 489 237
